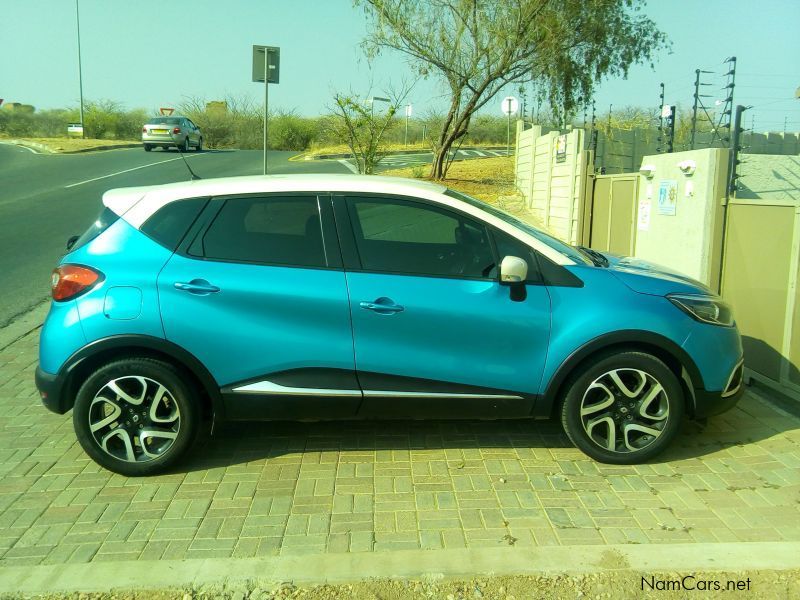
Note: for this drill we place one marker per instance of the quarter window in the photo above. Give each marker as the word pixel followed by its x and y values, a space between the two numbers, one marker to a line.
pixel 271 230
pixel 401 236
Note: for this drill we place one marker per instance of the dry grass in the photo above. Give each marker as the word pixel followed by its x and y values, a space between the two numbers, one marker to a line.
pixel 487 179
pixel 67 145
pixel 343 149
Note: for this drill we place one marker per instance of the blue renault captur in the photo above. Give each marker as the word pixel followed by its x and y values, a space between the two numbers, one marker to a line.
pixel 342 297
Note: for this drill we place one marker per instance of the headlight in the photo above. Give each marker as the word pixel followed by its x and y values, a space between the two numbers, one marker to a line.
pixel 708 309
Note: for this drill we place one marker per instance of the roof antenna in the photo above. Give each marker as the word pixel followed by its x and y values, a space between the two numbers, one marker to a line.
pixel 194 176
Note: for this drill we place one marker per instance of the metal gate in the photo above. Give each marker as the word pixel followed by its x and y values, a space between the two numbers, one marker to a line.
pixel 613 213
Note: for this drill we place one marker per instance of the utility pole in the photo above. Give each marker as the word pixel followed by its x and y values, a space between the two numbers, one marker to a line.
pixel 670 129
pixel 698 103
pixel 727 110
pixel 594 139
pixel 661 118
pixel 735 148
pixel 80 70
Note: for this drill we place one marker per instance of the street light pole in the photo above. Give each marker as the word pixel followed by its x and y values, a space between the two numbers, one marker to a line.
pixel 80 70
pixel 266 105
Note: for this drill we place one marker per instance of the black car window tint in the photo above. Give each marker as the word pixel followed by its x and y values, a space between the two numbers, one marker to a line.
pixel 274 230
pixel 415 238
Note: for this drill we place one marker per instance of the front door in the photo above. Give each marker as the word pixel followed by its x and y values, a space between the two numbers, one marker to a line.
pixel 259 296
pixel 434 331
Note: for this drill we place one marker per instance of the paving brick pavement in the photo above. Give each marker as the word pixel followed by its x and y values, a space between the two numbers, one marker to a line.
pixel 304 488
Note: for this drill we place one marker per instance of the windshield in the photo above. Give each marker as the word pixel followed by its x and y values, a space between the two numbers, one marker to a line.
pixel 565 249
pixel 166 120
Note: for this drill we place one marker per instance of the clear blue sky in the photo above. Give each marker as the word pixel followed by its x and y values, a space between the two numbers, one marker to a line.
pixel 148 53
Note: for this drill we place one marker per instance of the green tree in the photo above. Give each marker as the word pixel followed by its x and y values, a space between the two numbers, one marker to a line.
pixel 362 125
pixel 478 47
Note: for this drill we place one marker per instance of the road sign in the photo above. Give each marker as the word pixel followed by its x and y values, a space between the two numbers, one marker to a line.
pixel 166 111
pixel 274 66
pixel 666 111
pixel 74 130
pixel 408 110
pixel 510 105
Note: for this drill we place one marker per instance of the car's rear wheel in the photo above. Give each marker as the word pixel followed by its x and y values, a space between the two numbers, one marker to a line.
pixel 623 408
pixel 147 147
pixel 136 416
pixel 185 144
pixel 199 146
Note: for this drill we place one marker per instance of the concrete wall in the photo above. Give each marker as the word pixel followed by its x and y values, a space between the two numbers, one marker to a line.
pixel 553 188
pixel 769 177
pixel 689 240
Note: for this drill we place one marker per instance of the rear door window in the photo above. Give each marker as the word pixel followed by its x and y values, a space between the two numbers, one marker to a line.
pixel 274 230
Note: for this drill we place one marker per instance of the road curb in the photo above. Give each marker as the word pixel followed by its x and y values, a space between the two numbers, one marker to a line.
pixel 310 156
pixel 44 149
pixel 404 564
pixel 22 324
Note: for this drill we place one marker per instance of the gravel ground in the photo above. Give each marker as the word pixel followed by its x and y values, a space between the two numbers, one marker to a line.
pixel 773 585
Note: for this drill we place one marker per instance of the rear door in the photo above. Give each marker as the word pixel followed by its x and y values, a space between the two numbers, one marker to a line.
pixel 258 294
pixel 434 331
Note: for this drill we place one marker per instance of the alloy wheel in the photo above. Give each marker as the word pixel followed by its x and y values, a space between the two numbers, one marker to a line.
pixel 134 419
pixel 624 410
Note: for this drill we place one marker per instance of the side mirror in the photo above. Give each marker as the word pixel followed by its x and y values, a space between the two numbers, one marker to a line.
pixel 71 241
pixel 513 270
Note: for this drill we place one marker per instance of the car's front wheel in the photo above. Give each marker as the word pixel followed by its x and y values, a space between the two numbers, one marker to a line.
pixel 136 416
pixel 623 408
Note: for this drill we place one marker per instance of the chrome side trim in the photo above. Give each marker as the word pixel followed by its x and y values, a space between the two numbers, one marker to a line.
pixel 268 387
pixel 737 369
pixel 394 394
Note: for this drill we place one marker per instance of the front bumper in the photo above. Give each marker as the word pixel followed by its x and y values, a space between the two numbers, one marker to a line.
pixel 709 404
pixel 51 391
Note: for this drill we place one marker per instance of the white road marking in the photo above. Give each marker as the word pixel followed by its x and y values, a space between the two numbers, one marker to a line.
pixel 349 165
pixel 128 170
pixel 29 149
pixel 479 153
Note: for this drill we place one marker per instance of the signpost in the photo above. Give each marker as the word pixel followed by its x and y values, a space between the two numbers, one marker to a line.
pixel 408 115
pixel 509 106
pixel 266 68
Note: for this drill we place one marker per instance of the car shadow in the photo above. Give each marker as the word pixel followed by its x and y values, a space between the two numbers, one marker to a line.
pixel 234 443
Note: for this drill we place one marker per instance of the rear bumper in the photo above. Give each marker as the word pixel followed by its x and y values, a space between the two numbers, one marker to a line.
pixel 51 391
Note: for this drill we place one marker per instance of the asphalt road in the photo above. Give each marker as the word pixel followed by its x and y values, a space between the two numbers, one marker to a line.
pixel 46 198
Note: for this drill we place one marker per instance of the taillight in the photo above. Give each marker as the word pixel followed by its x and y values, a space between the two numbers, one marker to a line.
pixel 176 130
pixel 69 281
pixel 144 129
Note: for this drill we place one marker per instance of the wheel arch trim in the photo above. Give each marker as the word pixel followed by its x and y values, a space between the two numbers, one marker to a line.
pixel 133 342
pixel 633 338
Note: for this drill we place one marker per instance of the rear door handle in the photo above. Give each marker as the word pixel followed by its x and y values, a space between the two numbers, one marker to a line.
pixel 383 306
pixel 199 287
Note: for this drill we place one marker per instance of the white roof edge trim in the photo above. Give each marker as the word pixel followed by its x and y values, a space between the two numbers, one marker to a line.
pixel 142 205
pixel 120 201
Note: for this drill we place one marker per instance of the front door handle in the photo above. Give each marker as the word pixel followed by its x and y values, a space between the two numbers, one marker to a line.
pixel 199 287
pixel 383 306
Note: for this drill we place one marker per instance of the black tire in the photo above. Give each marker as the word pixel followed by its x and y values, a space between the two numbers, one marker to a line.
pixel 185 144
pixel 140 438
pixel 593 396
pixel 199 147
pixel 147 147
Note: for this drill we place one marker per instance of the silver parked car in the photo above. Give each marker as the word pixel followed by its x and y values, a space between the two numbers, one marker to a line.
pixel 171 131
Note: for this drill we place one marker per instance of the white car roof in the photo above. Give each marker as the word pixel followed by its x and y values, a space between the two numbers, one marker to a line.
pixel 136 204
